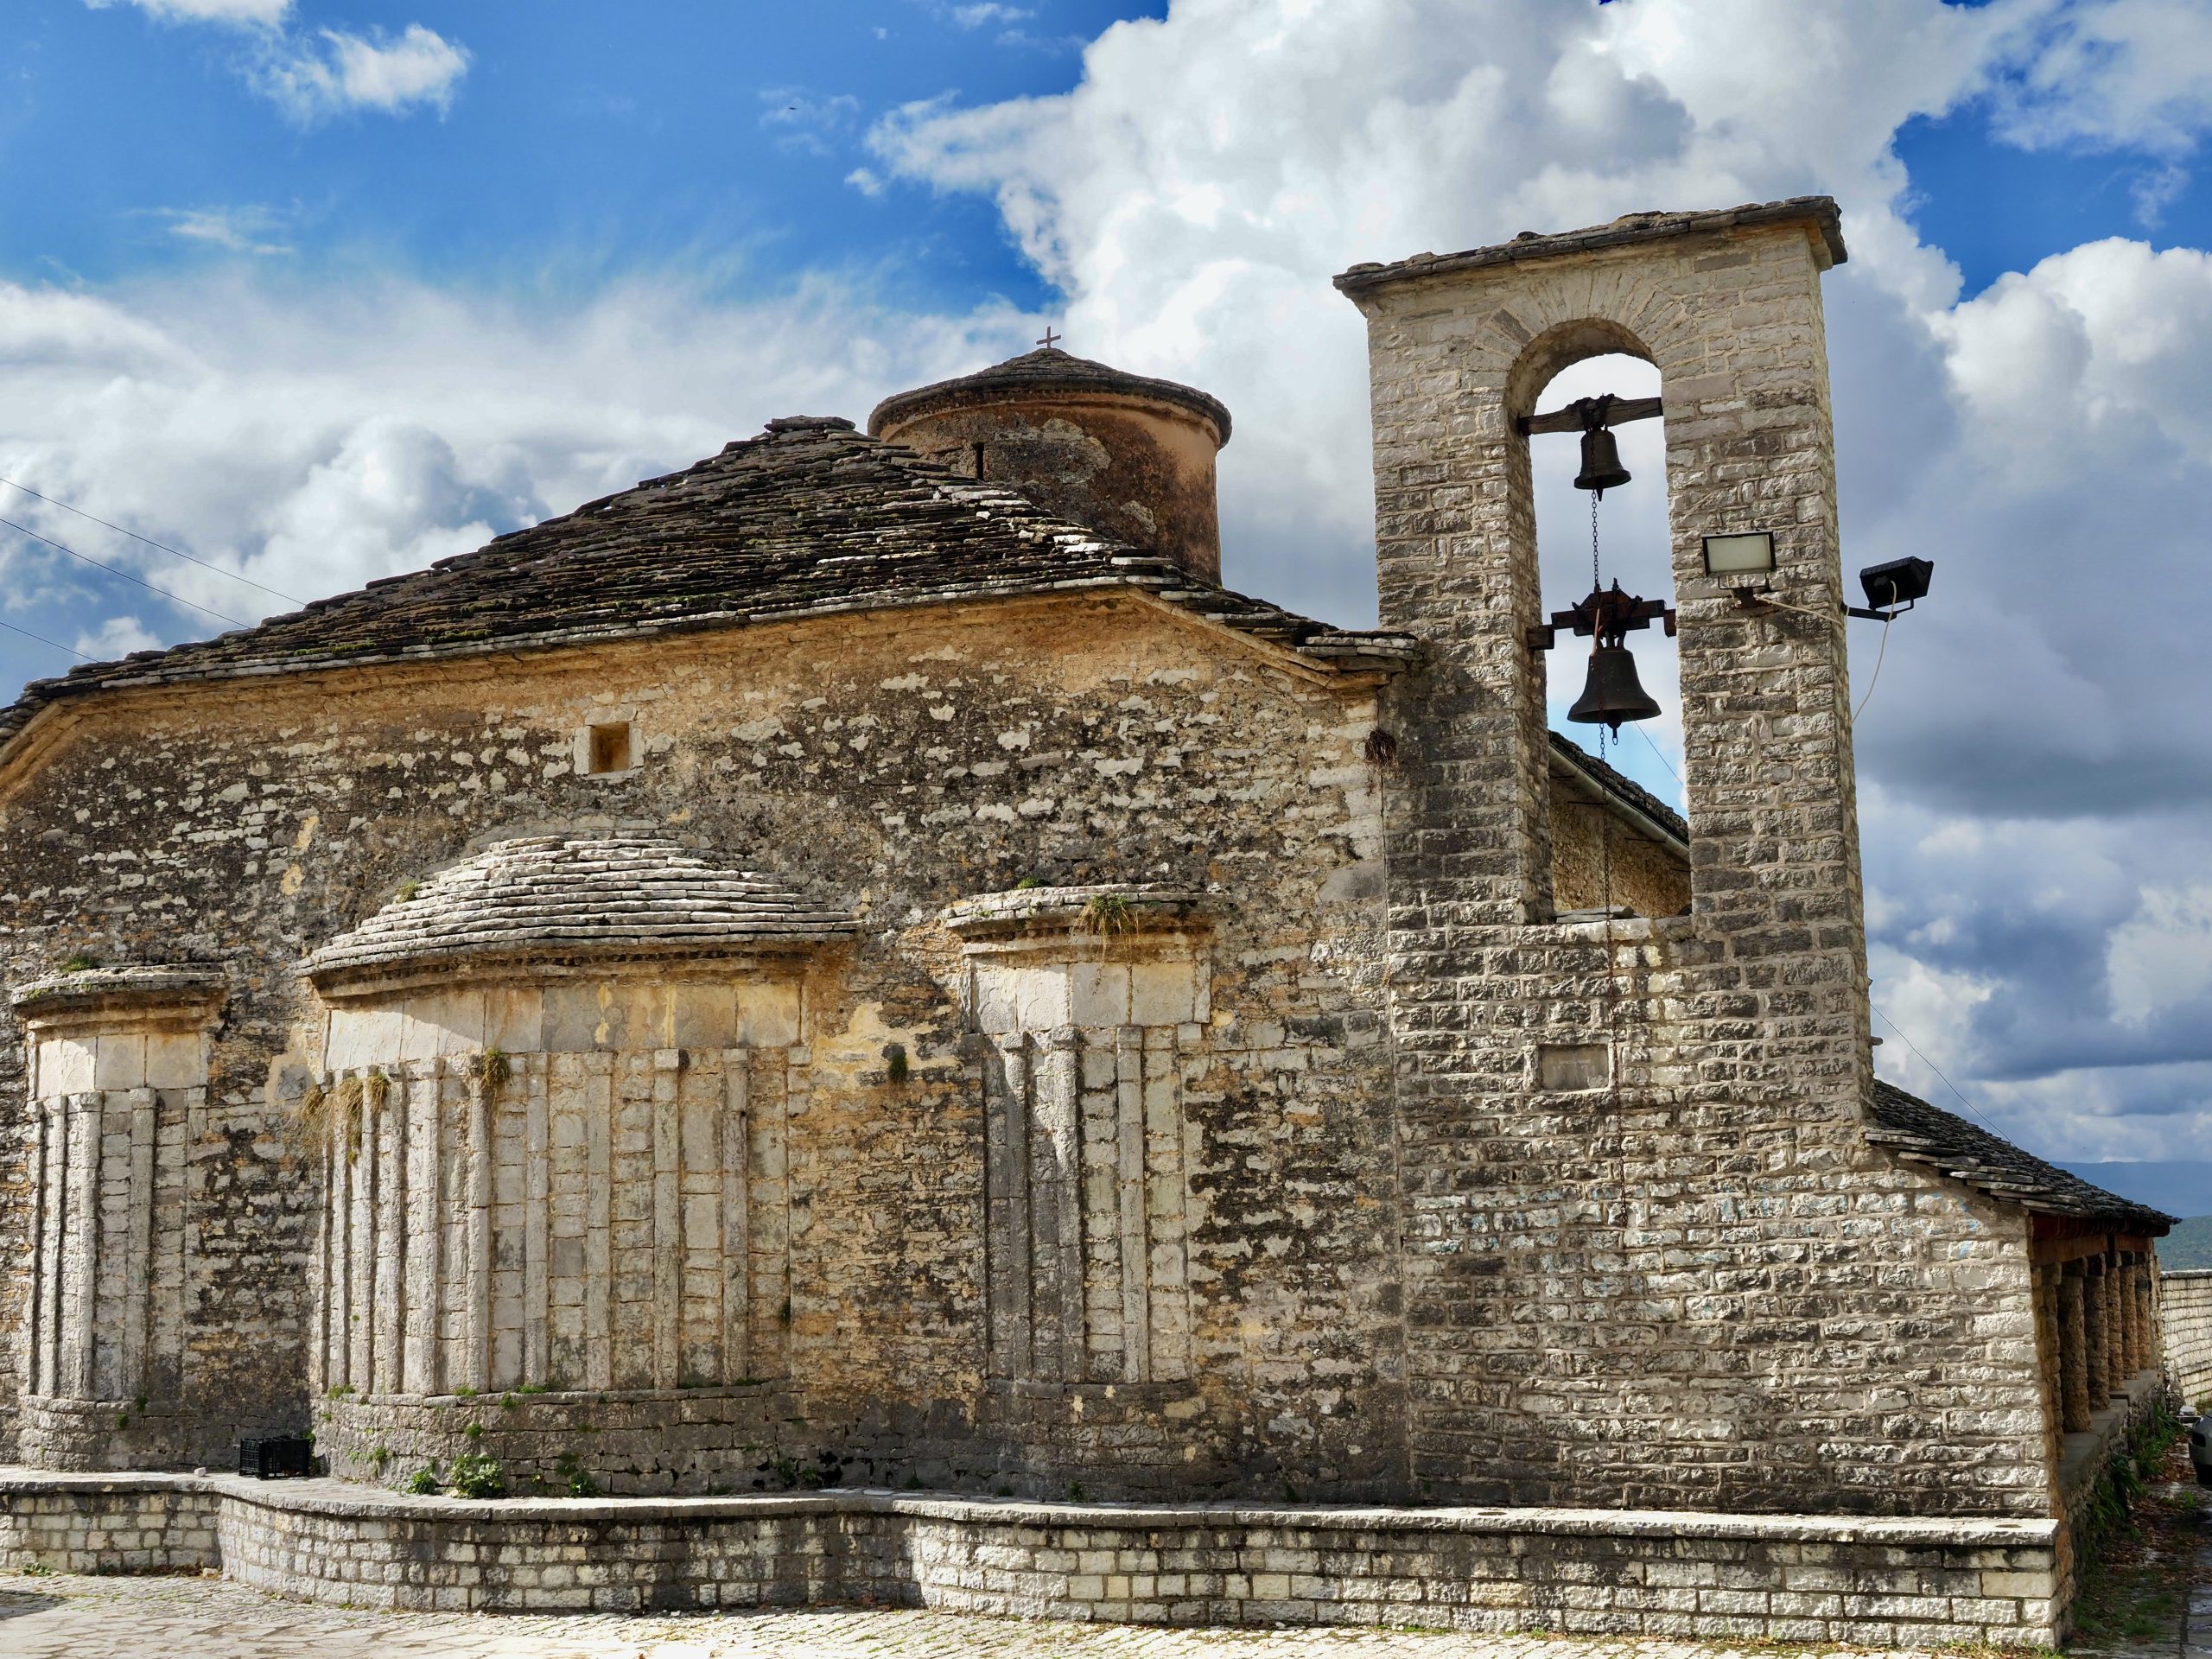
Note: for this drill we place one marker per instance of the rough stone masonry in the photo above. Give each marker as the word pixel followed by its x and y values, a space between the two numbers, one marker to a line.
pixel 845 967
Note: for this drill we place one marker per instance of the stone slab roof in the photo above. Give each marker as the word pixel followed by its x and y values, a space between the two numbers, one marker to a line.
pixel 1625 790
pixel 1948 1144
pixel 151 985
pixel 1133 906
pixel 1820 212
pixel 560 897
pixel 1048 369
pixel 810 519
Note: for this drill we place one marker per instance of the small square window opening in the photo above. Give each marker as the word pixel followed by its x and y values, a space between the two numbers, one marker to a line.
pixel 609 748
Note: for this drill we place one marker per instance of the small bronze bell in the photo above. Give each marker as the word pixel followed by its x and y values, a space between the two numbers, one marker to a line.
pixel 1612 693
pixel 1601 462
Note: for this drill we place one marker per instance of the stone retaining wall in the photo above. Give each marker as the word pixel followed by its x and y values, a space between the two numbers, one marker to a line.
pixel 1886 1583
pixel 90 1524
pixel 2186 1315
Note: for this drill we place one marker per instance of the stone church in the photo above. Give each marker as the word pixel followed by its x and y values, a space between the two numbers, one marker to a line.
pixel 852 1006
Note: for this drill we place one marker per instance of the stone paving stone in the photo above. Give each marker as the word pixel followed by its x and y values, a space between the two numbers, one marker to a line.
pixel 2196 1632
pixel 59 1617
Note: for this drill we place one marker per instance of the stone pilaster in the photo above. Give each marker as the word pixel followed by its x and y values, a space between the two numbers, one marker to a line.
pixel 119 1084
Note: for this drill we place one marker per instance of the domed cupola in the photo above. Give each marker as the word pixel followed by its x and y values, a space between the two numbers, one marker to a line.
pixel 1129 457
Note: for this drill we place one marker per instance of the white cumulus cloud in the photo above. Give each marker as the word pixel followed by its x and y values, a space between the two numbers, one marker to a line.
pixel 2114 73
pixel 314 76
pixel 310 440
pixel 2162 954
pixel 2042 441
pixel 337 72
pixel 253 13
pixel 117 636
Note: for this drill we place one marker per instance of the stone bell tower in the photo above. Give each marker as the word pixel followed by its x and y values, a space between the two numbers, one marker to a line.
pixel 1641 1213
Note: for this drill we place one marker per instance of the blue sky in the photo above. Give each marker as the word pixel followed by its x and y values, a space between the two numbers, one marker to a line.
pixel 321 291
pixel 587 139
pixel 584 140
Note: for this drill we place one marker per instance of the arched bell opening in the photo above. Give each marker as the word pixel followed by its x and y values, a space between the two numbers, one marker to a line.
pixel 1607 853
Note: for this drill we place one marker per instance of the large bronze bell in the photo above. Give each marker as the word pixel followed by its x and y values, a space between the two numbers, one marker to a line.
pixel 1612 693
pixel 1601 462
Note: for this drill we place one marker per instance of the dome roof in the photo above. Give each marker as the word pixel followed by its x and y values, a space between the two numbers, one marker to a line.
pixel 1047 369
pixel 565 897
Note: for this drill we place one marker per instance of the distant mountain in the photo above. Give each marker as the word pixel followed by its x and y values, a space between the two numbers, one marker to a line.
pixel 2180 1186
pixel 2190 1245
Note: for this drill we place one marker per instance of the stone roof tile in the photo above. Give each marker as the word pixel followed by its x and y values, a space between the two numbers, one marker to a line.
pixel 1618 785
pixel 810 519
pixel 136 984
pixel 557 897
pixel 1948 1144
pixel 1820 212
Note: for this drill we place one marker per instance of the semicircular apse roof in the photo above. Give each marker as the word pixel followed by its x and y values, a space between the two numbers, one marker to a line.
pixel 563 896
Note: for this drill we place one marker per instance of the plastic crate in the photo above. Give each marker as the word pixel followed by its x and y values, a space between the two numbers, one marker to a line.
pixel 289 1457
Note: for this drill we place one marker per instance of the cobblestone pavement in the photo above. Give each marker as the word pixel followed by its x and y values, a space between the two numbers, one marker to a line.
pixel 65 1617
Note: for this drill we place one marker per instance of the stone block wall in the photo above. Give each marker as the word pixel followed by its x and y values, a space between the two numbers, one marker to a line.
pixel 2185 1319
pixel 2084 1477
pixel 1089 1032
pixel 892 764
pixel 1596 863
pixel 1678 1276
pixel 1894 1584
pixel 590 1220
pixel 91 1526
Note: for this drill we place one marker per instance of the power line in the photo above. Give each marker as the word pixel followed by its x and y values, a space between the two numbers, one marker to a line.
pixel 43 640
pixel 116 570
pixel 151 542
pixel 1931 1066
pixel 1661 755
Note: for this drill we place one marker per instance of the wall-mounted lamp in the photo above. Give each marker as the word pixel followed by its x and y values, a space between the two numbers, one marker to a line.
pixel 1892 588
pixel 1748 554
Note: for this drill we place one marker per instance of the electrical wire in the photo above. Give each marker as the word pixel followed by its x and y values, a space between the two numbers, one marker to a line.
pixel 1932 1066
pixel 52 502
pixel 1875 678
pixel 115 571
pixel 1660 755
pixel 43 640
pixel 1771 603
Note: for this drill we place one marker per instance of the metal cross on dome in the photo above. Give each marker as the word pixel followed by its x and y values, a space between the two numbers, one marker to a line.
pixel 1050 337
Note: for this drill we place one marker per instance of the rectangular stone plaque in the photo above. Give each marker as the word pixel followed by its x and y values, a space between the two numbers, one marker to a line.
pixel 1569 1067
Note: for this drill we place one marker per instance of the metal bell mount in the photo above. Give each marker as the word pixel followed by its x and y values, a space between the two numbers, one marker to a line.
pixel 1612 694
pixel 1601 452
